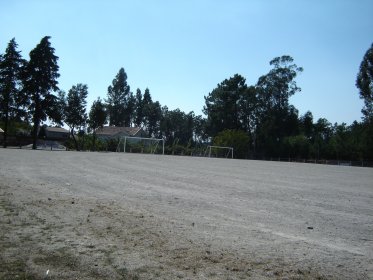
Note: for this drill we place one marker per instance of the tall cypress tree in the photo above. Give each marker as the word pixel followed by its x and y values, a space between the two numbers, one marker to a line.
pixel 138 108
pixel 40 81
pixel 11 64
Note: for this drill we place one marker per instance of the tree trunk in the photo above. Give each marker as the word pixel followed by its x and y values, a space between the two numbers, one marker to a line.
pixel 35 134
pixel 94 140
pixel 36 119
pixel 75 142
pixel 6 129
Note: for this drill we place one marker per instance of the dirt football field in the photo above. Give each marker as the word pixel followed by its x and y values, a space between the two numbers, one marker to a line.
pixel 87 215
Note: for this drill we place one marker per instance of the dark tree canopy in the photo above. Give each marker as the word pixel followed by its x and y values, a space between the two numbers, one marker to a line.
pixel 279 84
pixel 97 118
pixel 75 110
pixel 40 81
pixel 119 100
pixel 222 105
pixel 237 139
pixel 97 115
pixel 138 112
pixel 364 82
pixel 11 100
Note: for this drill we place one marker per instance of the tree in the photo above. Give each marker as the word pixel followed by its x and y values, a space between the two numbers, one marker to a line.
pixel 248 106
pixel 297 146
pixel 119 100
pixel 138 108
pixel 237 139
pixel 321 137
pixel 176 124
pixel 75 110
pixel 11 66
pixel 306 122
pixel 40 80
pixel 222 105
pixel 364 83
pixel 276 87
pixel 97 117
pixel 146 106
pixel 276 119
pixel 154 115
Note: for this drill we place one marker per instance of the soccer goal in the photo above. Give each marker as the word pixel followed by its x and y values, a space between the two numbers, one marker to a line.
pixel 219 151
pixel 140 145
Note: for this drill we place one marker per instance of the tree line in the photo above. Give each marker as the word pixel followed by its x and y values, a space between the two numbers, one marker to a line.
pixel 257 120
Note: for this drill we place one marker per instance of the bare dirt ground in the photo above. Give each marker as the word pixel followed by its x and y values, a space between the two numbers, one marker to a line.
pixel 70 215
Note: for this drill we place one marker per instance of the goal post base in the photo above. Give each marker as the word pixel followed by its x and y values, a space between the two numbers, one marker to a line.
pixel 145 143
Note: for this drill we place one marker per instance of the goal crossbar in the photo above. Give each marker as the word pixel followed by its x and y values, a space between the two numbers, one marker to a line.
pixel 141 138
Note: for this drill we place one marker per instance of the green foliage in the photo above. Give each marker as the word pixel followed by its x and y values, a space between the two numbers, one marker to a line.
pixel 237 139
pixel 97 115
pixel 138 118
pixel 364 82
pixel 276 118
pixel 75 109
pixel 279 84
pixel 176 124
pixel 40 81
pixel 297 146
pixel 97 118
pixel 120 101
pixel 222 105
pixel 11 99
pixel 151 114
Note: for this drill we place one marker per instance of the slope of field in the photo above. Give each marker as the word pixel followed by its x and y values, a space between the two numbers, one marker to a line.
pixel 71 215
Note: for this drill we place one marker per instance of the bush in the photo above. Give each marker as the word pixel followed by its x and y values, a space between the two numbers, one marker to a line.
pixel 237 139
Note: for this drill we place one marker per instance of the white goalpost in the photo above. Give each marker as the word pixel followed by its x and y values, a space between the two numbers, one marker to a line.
pixel 214 151
pixel 151 145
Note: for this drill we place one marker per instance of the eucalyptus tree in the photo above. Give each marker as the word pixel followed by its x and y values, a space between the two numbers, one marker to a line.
pixel 364 82
pixel 274 112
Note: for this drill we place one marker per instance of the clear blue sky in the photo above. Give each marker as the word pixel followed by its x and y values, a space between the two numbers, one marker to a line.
pixel 182 49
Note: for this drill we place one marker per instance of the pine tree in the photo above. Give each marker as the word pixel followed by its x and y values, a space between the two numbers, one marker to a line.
pixel 40 81
pixel 138 108
pixel 117 100
pixel 11 101
pixel 97 117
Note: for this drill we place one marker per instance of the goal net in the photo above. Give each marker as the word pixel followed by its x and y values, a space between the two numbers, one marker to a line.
pixel 130 144
pixel 219 152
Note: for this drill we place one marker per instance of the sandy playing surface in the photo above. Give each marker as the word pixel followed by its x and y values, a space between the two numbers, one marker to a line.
pixel 71 215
